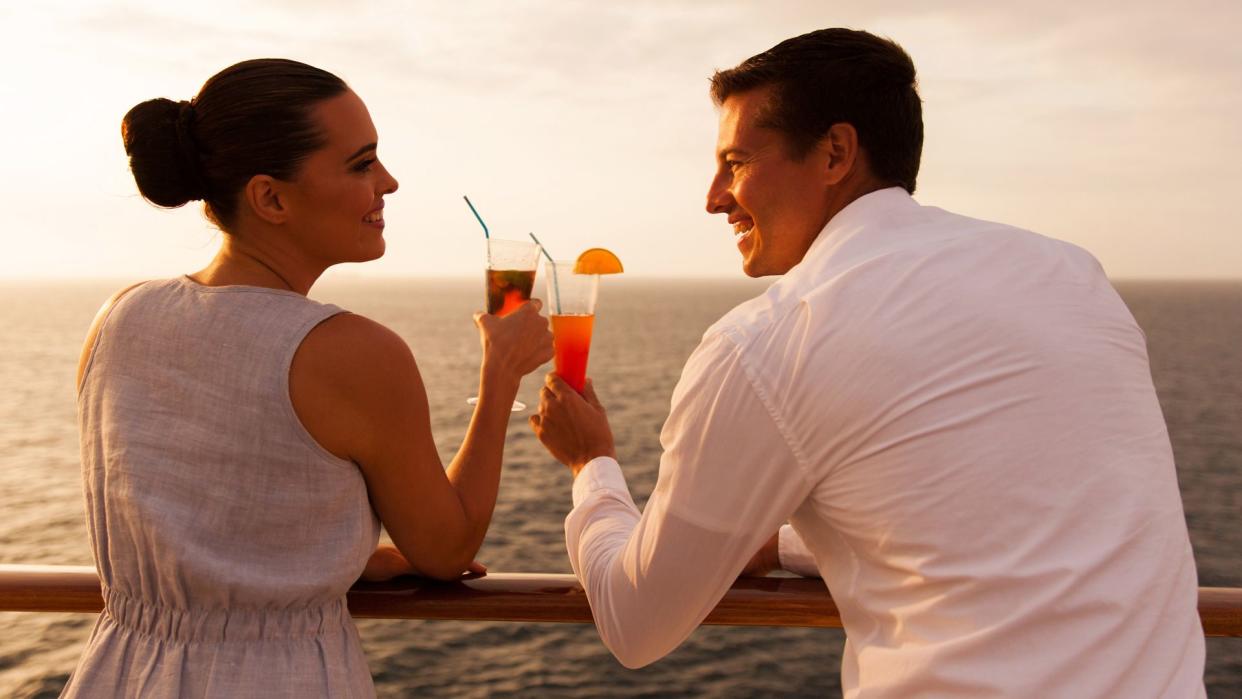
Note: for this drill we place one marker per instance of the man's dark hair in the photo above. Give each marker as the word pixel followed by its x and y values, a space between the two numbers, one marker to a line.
pixel 833 76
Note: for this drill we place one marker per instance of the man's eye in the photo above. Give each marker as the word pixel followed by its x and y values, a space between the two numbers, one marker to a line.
pixel 732 164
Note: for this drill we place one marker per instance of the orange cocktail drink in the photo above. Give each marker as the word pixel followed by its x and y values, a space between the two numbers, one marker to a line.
pixel 571 336
pixel 571 305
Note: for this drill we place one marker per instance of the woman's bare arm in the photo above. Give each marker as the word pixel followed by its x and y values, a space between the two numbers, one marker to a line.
pixel 357 389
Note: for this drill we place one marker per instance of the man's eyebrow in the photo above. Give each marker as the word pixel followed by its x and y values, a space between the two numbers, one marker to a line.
pixel 360 151
pixel 730 151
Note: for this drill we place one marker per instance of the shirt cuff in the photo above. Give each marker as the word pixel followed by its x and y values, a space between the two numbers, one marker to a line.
pixel 600 473
pixel 793 553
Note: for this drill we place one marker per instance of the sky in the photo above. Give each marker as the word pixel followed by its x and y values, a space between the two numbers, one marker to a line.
pixel 1114 126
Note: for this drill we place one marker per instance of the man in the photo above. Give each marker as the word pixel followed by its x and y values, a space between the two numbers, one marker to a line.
pixel 956 416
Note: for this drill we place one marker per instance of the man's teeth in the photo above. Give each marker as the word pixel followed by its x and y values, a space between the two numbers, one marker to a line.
pixel 741 229
pixel 374 217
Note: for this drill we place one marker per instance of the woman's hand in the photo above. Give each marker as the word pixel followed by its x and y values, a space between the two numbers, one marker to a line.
pixel 515 345
pixel 765 560
pixel 387 563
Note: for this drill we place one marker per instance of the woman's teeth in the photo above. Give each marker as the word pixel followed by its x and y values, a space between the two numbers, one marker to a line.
pixel 374 217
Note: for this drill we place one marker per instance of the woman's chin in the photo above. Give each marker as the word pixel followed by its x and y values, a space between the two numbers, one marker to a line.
pixel 372 250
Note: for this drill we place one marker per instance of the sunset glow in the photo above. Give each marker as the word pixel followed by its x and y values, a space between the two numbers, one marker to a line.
pixel 590 123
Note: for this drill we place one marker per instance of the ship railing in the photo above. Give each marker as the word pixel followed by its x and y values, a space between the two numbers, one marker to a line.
pixel 528 597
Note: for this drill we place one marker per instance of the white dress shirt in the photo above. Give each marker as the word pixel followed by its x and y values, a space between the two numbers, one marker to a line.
pixel 958 419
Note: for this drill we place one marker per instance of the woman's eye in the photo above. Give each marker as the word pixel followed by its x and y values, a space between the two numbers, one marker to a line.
pixel 364 165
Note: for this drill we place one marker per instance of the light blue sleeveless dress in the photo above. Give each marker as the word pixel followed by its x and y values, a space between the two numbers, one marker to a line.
pixel 225 536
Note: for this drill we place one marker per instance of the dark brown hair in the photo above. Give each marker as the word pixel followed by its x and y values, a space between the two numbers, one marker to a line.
pixel 833 76
pixel 252 118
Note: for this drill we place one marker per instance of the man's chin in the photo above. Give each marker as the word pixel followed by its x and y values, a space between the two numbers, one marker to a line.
pixel 753 266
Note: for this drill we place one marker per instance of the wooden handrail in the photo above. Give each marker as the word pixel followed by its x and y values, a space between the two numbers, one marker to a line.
pixel 528 597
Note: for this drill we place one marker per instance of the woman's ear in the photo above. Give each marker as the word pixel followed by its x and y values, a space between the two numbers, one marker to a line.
pixel 266 198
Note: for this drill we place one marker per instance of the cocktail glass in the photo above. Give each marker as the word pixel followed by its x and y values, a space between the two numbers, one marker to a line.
pixel 571 300
pixel 509 277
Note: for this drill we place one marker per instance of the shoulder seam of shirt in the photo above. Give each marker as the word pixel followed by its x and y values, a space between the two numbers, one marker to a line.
pixel 752 381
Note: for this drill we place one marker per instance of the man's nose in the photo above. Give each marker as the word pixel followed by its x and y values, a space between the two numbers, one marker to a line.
pixel 719 200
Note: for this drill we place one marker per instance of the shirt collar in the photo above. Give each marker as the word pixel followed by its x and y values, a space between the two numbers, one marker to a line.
pixel 866 214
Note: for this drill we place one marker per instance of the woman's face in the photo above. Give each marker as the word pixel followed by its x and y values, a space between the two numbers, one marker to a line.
pixel 336 205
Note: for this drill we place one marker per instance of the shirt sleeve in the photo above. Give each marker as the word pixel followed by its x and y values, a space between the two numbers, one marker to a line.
pixel 728 478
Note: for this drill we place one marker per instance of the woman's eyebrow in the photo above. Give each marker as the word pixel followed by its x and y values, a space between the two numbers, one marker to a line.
pixel 360 151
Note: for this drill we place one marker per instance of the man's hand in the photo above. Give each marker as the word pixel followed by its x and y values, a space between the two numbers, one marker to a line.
pixel 765 560
pixel 573 427
pixel 387 563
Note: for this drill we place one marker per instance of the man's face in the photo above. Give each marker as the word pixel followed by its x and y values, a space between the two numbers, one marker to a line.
pixel 777 205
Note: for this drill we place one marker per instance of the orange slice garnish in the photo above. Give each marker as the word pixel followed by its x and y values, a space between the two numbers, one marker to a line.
pixel 598 261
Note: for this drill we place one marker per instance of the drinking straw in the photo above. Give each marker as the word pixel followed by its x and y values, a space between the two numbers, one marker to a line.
pixel 486 235
pixel 556 288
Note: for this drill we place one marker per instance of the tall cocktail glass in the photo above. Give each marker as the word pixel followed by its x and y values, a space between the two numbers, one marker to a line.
pixel 510 276
pixel 571 303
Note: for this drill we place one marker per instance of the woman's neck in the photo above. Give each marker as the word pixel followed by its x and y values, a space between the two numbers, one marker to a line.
pixel 241 263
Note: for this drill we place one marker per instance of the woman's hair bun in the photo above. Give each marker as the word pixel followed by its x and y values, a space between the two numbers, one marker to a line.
pixel 252 118
pixel 159 139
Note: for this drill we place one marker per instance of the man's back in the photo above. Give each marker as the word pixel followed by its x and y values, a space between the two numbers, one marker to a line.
pixel 993 499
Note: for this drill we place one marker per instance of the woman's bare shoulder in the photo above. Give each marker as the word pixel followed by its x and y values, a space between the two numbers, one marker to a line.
pixel 349 376
pixel 355 343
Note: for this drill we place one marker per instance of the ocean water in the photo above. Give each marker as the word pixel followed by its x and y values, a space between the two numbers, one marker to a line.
pixel 644 332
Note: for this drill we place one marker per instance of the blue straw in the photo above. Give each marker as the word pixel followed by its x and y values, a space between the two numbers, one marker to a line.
pixel 486 235
pixel 556 288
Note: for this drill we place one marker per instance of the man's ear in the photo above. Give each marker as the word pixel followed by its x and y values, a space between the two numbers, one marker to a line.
pixel 267 199
pixel 839 151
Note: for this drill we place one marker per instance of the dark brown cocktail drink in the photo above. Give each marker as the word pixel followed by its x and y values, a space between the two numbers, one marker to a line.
pixel 507 289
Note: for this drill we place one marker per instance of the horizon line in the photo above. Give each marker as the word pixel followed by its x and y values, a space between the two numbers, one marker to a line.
pixel 359 277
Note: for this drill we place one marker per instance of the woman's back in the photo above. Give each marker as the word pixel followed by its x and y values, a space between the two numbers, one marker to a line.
pixel 225 534
pixel 226 537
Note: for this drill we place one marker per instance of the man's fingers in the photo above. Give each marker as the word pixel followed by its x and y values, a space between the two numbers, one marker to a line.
pixel 536 421
pixel 536 304
pixel 556 385
pixel 589 394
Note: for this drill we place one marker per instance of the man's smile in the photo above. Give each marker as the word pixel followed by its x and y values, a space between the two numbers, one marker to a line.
pixel 742 228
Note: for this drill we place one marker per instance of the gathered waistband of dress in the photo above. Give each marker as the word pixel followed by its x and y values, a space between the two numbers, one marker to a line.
pixel 221 625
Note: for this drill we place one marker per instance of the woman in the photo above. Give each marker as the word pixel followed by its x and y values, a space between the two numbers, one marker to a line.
pixel 238 439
